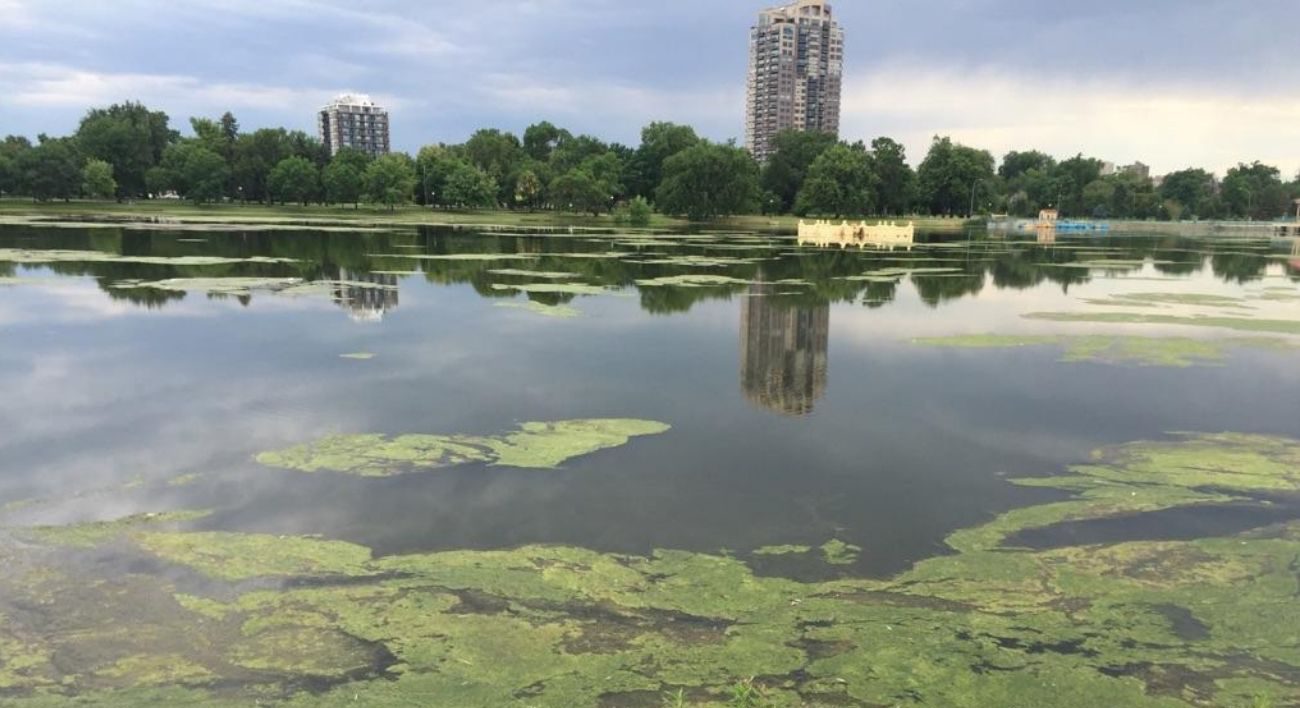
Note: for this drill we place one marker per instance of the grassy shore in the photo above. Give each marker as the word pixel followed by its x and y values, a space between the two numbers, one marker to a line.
pixel 403 216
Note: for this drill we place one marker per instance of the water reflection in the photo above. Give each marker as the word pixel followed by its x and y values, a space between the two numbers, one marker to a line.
pixel 783 351
pixel 366 297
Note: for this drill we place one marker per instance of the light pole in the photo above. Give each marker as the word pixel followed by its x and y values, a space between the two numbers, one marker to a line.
pixel 971 212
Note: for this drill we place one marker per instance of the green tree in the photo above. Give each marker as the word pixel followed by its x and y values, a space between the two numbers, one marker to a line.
pixel 793 152
pixel 951 175
pixel 344 178
pixel 1072 176
pixel 541 139
pixel 1015 164
pixel 256 154
pixel 659 141
pixel 128 136
pixel 51 170
pixel 528 189
pixel 204 175
pixel 571 152
pixel 1189 189
pixel 470 187
pixel 579 190
pixel 1098 198
pixel 390 180
pixel 294 179
pixel 97 180
pixel 498 155
pixel 840 182
pixel 1256 191
pixel 895 180
pixel 708 181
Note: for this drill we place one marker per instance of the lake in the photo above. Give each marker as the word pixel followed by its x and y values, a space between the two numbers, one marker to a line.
pixel 624 468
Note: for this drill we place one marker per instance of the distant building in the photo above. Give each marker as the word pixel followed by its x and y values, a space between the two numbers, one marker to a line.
pixel 354 121
pixel 1107 169
pixel 783 351
pixel 1138 169
pixel 796 60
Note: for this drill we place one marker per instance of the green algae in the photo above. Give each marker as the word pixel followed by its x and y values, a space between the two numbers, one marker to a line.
pixel 786 550
pixel 690 281
pixel 1240 324
pixel 534 445
pixel 40 257
pixel 1114 349
pixel 552 288
pixel 94 533
pixel 540 275
pixel 1194 299
pixel 543 309
pixel 358 356
pixel 837 552
pixel 1205 622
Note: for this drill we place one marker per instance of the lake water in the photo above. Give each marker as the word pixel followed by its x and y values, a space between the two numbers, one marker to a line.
pixel 810 393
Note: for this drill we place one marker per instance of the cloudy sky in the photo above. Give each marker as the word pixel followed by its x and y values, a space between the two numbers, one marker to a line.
pixel 1173 83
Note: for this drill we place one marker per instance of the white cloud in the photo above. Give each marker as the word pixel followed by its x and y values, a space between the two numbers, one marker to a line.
pixel 1168 128
pixel 36 85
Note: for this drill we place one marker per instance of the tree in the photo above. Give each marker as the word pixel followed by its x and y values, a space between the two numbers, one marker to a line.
pixel 51 170
pixel 840 183
pixel 128 136
pixel 294 179
pixel 951 175
pixel 528 189
pixel 579 190
pixel 256 154
pixel 97 180
pixel 1189 189
pixel 498 155
pixel 10 148
pixel 344 177
pixel 1098 198
pixel 1015 164
pixel 470 187
pixel 1072 176
pixel 204 175
pixel 659 141
pixel 895 180
pixel 541 139
pixel 793 152
pixel 390 180
pixel 1255 191
pixel 709 180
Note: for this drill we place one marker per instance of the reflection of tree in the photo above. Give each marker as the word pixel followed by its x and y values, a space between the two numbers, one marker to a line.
pixel 1239 267
pixel 783 351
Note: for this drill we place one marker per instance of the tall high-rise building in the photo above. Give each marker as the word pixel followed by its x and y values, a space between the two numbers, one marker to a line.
pixel 354 121
pixel 783 351
pixel 796 61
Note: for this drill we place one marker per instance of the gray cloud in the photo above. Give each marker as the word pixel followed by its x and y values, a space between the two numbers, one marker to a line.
pixel 607 67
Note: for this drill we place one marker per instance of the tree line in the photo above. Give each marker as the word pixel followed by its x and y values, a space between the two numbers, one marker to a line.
pixel 127 151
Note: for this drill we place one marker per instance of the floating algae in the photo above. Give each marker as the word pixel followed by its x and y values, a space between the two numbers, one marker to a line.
pixel 1206 622
pixel 13 255
pixel 1240 324
pixel 552 288
pixel 534 445
pixel 1114 349
pixel 691 281
pixel 96 532
pixel 543 309
pixel 358 356
pixel 542 275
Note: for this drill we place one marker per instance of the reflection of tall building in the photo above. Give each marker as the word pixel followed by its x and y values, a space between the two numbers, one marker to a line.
pixel 366 296
pixel 783 352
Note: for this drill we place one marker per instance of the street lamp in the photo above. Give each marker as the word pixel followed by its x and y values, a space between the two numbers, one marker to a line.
pixel 971 213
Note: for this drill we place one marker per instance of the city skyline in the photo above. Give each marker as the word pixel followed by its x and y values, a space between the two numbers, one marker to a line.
pixel 992 75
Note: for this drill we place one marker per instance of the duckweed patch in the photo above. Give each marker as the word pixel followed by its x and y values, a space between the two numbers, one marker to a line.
pixel 1240 324
pixel 691 281
pixel 534 445
pixel 543 309
pixel 358 356
pixel 552 288
pixel 1114 349
pixel 94 533
pixel 1205 622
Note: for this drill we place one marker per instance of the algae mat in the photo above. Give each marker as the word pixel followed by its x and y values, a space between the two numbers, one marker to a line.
pixel 1179 352
pixel 534 445
pixel 238 619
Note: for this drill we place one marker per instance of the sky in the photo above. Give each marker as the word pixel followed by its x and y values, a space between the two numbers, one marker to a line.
pixel 1173 83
